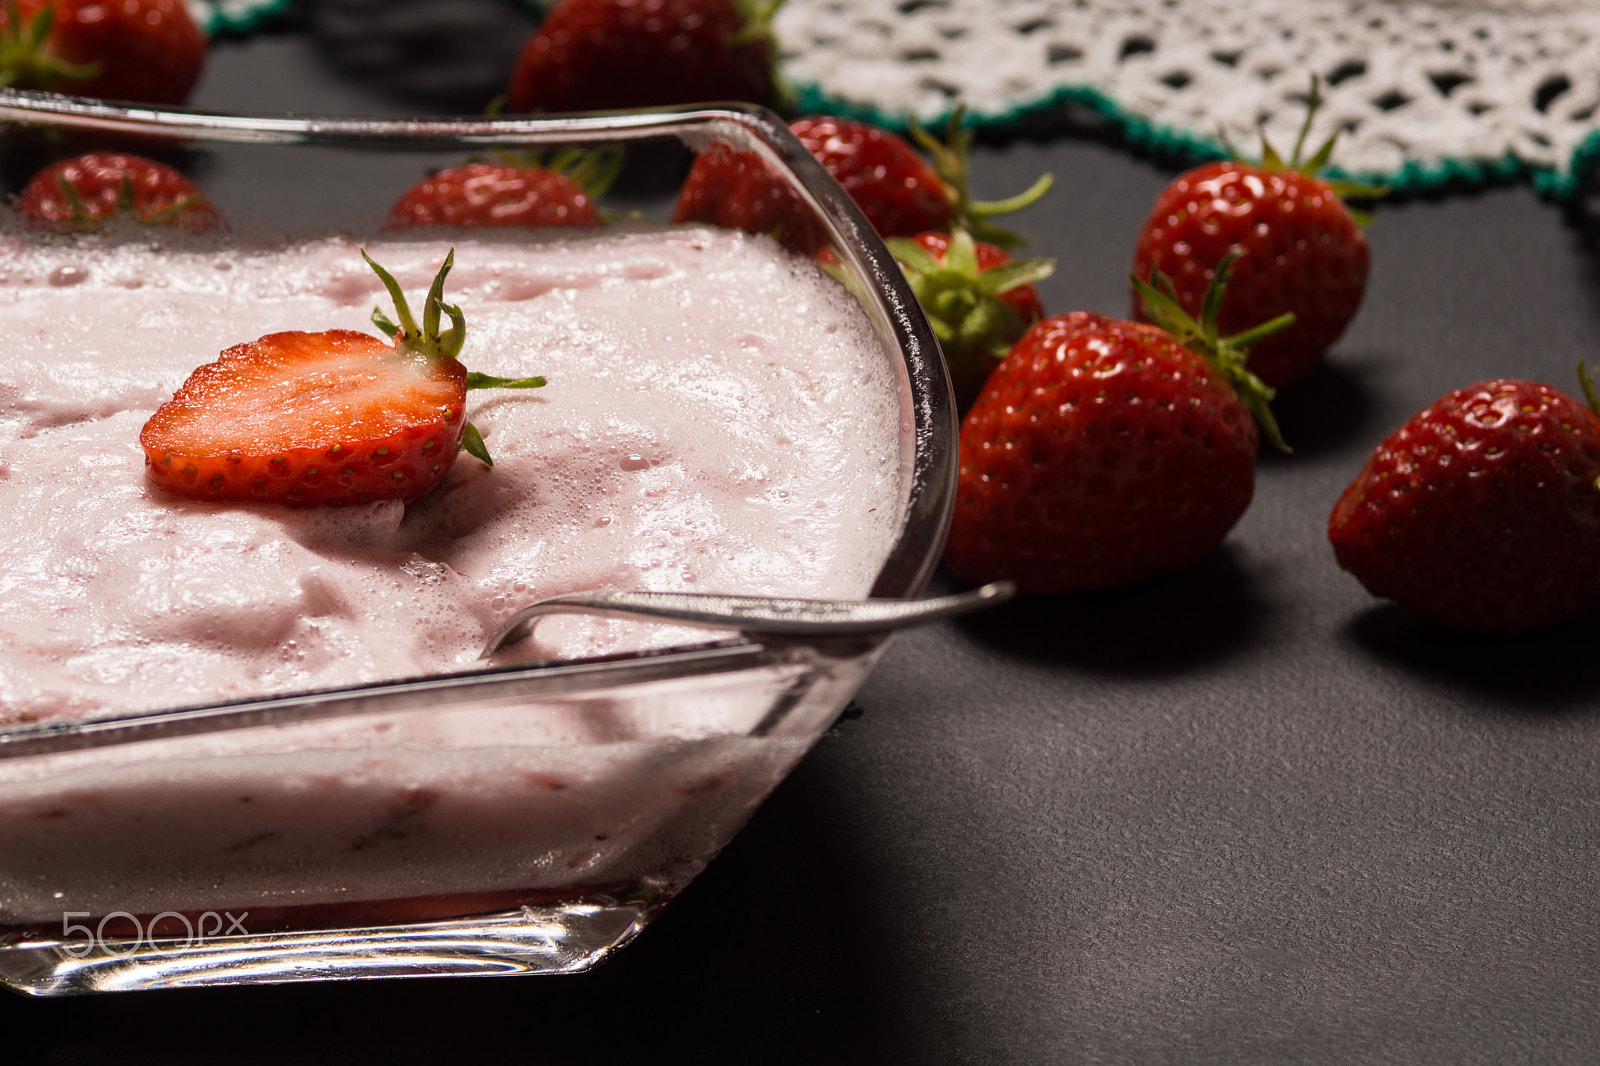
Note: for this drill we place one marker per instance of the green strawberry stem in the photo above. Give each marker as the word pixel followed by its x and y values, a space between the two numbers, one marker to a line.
pixel 1227 355
pixel 169 214
pixel 1586 380
pixel 975 328
pixel 427 341
pixel 756 18
pixel 24 64
pixel 434 345
pixel 950 163
pixel 1271 160
pixel 127 204
pixel 1590 397
pixel 81 215
pixel 476 380
pixel 594 170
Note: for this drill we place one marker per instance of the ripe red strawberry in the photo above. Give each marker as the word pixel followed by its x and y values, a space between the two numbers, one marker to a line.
pixel 978 299
pixel 1303 251
pixel 562 192
pixel 738 190
pixel 324 418
pixel 144 51
pixel 601 55
pixel 902 194
pixel 85 192
pixel 1482 511
pixel 1101 452
pixel 899 191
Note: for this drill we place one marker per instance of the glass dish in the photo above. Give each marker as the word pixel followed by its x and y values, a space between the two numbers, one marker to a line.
pixel 514 819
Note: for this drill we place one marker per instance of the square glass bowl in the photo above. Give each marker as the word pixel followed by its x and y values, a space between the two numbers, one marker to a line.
pixel 516 819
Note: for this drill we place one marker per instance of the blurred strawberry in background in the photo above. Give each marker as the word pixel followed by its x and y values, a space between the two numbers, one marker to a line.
pixel 142 51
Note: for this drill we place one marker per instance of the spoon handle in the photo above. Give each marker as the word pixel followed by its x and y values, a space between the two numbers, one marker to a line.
pixel 755 615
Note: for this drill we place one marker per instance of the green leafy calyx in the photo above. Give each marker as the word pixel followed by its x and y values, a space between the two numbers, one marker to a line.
pixel 1313 165
pixel 25 62
pixel 974 326
pixel 950 163
pixel 755 27
pixel 433 344
pixel 1228 355
pixel 594 170
pixel 428 340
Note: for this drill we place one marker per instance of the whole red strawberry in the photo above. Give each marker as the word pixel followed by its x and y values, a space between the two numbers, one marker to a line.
pixel 85 192
pixel 1302 251
pixel 901 193
pixel 1101 452
pixel 978 300
pixel 511 193
pixel 1483 511
pixel 143 51
pixel 601 55
pixel 334 417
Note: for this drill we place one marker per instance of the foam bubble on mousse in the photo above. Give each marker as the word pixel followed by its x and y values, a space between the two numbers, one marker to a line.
pixel 719 417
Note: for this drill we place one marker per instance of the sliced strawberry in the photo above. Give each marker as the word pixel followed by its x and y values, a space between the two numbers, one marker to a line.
pixel 144 51
pixel 85 192
pixel 324 418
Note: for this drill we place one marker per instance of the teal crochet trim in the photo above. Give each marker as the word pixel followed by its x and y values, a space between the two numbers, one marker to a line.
pixel 1579 177
pixel 238 17
pixel 241 17
pixel 1413 178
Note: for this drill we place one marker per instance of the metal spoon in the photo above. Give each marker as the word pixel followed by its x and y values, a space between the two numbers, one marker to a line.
pixel 754 615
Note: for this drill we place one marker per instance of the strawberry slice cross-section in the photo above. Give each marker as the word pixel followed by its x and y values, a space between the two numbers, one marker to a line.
pixel 336 417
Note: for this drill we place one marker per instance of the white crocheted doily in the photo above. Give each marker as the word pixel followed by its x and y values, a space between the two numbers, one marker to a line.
pixel 1427 92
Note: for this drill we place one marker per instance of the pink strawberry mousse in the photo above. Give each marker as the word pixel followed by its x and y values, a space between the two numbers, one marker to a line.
pixel 719 416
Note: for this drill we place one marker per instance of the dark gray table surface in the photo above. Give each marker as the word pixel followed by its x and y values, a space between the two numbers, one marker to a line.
pixel 1239 814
